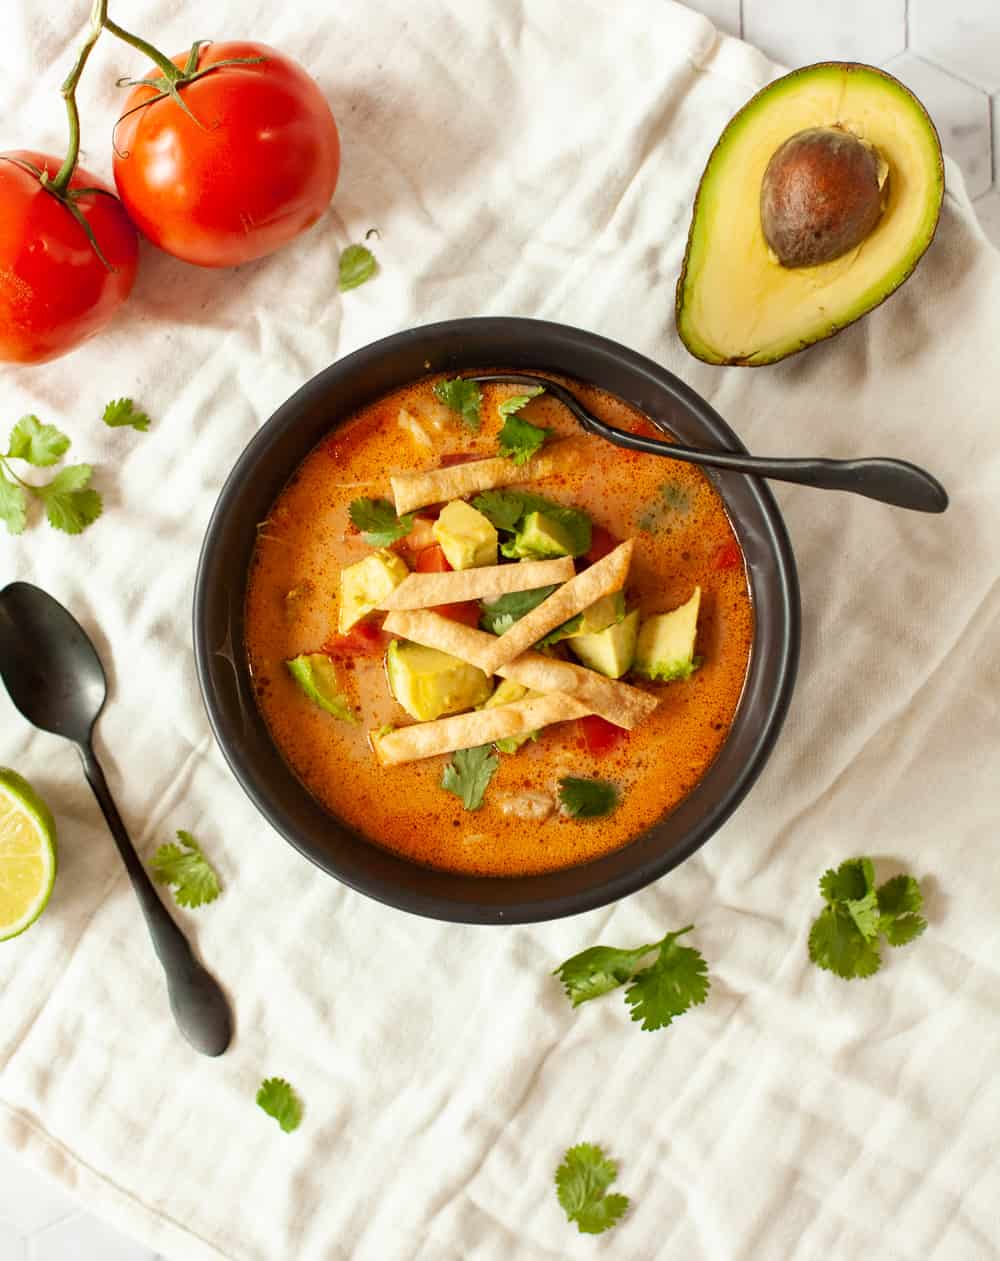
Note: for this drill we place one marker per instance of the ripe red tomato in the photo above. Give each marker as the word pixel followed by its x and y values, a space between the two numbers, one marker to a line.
pixel 432 560
pixel 601 543
pixel 599 735
pixel 54 290
pixel 366 639
pixel 258 166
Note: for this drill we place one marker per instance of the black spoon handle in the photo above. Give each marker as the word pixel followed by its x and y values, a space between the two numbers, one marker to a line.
pixel 894 482
pixel 200 1008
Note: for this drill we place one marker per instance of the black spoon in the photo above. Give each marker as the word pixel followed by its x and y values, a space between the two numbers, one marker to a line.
pixel 892 481
pixel 55 678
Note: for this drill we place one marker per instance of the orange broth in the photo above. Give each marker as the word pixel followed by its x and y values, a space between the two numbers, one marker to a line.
pixel 683 538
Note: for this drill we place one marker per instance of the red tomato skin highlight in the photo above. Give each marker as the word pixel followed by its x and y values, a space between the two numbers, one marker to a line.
pixel 55 293
pixel 599 735
pixel 260 169
pixel 432 560
pixel 602 542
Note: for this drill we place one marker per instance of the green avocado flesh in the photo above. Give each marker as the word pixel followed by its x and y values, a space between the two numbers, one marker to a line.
pixel 665 650
pixel 610 651
pixel 540 538
pixel 736 303
pixel 316 675
pixel 428 683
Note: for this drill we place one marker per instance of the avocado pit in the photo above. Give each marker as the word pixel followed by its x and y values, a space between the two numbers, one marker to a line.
pixel 822 194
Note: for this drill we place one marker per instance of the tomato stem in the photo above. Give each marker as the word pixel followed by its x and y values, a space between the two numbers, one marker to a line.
pixel 60 181
pixel 167 68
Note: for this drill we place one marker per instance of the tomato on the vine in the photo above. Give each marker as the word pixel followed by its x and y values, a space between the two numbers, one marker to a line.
pixel 55 288
pixel 229 161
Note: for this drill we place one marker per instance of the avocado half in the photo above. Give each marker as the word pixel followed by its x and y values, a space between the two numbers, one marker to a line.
pixel 736 304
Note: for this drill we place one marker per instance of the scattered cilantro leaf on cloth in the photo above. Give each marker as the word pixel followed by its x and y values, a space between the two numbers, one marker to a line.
pixel 70 504
pixel 377 521
pixel 844 938
pixel 37 444
pixel 357 264
pixel 13 505
pixel 188 872
pixel 468 774
pixel 278 1099
pixel 123 411
pixel 676 980
pixel 463 397
pixel 499 615
pixel 582 1181
pixel 587 798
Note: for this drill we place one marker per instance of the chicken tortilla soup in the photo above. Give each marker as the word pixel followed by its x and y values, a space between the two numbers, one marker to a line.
pixel 489 642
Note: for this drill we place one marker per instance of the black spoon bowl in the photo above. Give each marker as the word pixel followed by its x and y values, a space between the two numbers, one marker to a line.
pixel 55 678
pixel 895 482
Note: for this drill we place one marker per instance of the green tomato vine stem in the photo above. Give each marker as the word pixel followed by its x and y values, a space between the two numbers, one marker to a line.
pixel 60 181
pixel 166 67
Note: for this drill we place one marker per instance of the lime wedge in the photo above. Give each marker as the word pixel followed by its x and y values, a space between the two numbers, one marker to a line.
pixel 27 854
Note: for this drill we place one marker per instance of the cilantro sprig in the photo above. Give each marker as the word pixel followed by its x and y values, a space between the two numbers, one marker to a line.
pixel 70 504
pixel 468 774
pixel 357 264
pixel 587 798
pixel 506 509
pixel 123 411
pixel 519 440
pixel 278 1099
pixel 844 938
pixel 377 521
pixel 463 397
pixel 499 615
pixel 187 871
pixel 582 1181
pixel 675 981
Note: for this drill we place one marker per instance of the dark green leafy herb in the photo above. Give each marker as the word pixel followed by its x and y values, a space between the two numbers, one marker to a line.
pixel 468 774
pixel 69 505
pixel 122 411
pixel 463 397
pixel 188 872
pixel 357 264
pixel 844 939
pixel 587 798
pixel 499 615
pixel 279 1100
pixel 518 439
pixel 377 521
pixel 582 1181
pixel 506 509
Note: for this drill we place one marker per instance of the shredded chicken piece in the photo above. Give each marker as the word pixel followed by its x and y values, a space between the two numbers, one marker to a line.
pixel 529 805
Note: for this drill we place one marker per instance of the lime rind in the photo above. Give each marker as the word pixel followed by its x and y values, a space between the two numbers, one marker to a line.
pixel 16 789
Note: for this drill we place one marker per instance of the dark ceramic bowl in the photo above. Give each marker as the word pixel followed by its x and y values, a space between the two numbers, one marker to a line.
pixel 261 472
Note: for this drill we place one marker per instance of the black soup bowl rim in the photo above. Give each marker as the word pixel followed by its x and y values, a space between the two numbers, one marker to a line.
pixel 270 459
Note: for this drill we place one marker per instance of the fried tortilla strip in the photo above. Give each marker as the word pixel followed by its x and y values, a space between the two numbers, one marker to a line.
pixel 459 481
pixel 607 575
pixel 487 582
pixel 482 726
pixel 619 703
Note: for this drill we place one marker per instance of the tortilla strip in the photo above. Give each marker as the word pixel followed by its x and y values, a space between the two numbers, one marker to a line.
pixel 422 591
pixel 619 703
pixel 459 481
pixel 601 579
pixel 482 726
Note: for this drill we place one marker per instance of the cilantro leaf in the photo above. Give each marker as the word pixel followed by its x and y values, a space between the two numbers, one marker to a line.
pixel 838 945
pixel 357 264
pixel 582 1181
pixel 587 798
pixel 279 1100
pixel 520 440
pixel 899 901
pixel 503 507
pixel 516 401
pixel 188 872
pixel 468 774
pixel 68 505
pixel 123 411
pixel 377 521
pixel 13 505
pixel 677 981
pixel 507 508
pixel 599 970
pixel 499 615
pixel 851 881
pixel 464 397
pixel 35 443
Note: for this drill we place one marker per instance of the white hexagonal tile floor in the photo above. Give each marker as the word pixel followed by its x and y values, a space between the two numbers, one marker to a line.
pixel 949 54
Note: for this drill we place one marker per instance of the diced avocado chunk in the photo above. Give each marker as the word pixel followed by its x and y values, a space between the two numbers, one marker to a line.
pixel 540 537
pixel 316 675
pixel 605 612
pixel 468 539
pixel 506 694
pixel 365 585
pixel 428 683
pixel 610 651
pixel 666 643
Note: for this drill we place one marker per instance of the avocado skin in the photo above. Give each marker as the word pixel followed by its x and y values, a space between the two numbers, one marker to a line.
pixel 847 67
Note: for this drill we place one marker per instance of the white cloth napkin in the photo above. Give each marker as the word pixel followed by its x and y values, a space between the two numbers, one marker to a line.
pixel 519 158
